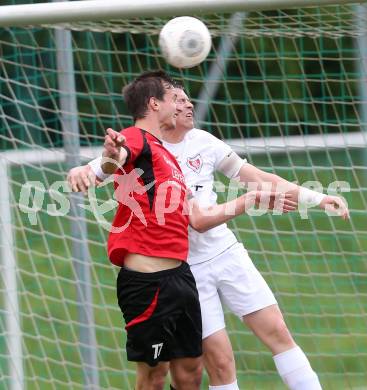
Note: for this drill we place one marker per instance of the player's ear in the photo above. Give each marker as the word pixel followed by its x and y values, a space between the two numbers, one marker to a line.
pixel 153 104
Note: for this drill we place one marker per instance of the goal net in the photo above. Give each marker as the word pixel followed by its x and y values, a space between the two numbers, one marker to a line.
pixel 286 88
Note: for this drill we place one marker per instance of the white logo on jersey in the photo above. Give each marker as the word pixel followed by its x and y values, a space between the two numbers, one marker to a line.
pixel 195 163
pixel 157 349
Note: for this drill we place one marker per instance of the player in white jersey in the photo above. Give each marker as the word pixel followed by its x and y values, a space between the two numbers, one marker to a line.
pixel 223 271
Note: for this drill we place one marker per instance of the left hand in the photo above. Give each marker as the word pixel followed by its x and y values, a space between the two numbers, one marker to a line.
pixel 81 178
pixel 336 206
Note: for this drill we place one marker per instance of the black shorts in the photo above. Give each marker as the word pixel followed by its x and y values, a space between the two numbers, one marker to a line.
pixel 162 314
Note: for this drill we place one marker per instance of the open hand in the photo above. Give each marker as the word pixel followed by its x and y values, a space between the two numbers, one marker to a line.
pixel 334 205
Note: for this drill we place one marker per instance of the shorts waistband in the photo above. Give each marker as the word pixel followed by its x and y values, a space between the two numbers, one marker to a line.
pixel 183 267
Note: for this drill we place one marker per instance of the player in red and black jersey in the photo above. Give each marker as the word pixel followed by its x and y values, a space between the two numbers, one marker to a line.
pixel 153 221
pixel 149 239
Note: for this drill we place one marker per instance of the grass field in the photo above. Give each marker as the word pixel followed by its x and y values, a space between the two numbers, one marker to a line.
pixel 316 267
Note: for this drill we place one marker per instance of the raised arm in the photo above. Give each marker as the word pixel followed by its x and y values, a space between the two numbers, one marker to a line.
pixel 114 155
pixel 232 166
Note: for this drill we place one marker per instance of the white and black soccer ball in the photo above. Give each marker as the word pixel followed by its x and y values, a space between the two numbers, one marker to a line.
pixel 185 42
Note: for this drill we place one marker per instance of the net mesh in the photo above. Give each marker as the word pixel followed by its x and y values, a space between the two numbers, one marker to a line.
pixel 293 73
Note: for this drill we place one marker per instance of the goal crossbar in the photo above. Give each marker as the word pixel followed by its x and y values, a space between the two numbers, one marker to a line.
pixel 243 146
pixel 96 10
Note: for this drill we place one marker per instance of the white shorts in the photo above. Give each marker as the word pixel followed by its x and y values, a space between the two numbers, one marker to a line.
pixel 232 279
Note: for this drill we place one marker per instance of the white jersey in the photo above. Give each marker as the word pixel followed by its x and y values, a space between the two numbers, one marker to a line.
pixel 199 155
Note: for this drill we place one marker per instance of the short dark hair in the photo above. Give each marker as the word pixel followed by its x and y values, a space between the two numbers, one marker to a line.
pixel 147 85
pixel 178 85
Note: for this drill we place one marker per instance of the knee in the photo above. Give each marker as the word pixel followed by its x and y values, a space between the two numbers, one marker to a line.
pixel 280 335
pixel 197 374
pixel 189 378
pixel 156 382
pixel 156 379
pixel 220 367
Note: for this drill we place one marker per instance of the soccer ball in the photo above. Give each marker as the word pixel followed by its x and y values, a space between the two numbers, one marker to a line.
pixel 185 42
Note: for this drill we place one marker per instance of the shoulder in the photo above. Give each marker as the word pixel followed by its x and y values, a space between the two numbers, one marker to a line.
pixel 209 140
pixel 132 131
pixel 133 135
pixel 202 135
pixel 134 143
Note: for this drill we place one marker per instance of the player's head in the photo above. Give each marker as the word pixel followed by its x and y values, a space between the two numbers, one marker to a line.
pixel 185 117
pixel 152 94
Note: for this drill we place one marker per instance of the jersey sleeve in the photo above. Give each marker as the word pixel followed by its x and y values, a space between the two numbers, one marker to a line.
pixel 134 143
pixel 226 160
pixel 220 150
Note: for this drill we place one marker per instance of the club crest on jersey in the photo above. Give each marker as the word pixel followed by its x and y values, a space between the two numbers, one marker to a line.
pixel 195 163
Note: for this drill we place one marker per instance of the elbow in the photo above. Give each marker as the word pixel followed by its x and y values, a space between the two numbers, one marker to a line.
pixel 198 225
pixel 201 229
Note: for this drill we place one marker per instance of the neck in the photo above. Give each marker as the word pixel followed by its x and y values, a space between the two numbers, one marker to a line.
pixel 174 136
pixel 149 125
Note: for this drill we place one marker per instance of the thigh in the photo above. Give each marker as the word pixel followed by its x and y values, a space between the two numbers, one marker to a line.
pixel 211 307
pixel 241 286
pixel 187 334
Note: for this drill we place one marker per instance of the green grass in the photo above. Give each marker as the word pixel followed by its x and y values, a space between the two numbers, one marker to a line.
pixel 316 267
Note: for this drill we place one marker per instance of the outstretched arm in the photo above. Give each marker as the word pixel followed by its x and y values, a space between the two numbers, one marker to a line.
pixel 203 219
pixel 250 175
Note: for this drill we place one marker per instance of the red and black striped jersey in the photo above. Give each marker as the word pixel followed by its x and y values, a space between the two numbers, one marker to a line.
pixel 151 194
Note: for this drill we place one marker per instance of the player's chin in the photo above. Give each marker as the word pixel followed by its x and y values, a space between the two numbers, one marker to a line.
pixel 189 122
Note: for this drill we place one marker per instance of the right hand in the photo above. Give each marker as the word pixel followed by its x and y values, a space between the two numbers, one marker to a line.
pixel 81 178
pixel 113 142
pixel 270 200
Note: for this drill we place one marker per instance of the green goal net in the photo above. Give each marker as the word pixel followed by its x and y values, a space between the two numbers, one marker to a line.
pixel 286 88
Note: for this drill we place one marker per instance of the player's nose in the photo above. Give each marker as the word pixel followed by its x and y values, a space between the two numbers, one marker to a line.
pixel 189 105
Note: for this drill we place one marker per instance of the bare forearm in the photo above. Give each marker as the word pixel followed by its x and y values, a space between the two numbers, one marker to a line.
pixel 203 219
pixel 281 185
pixel 256 179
